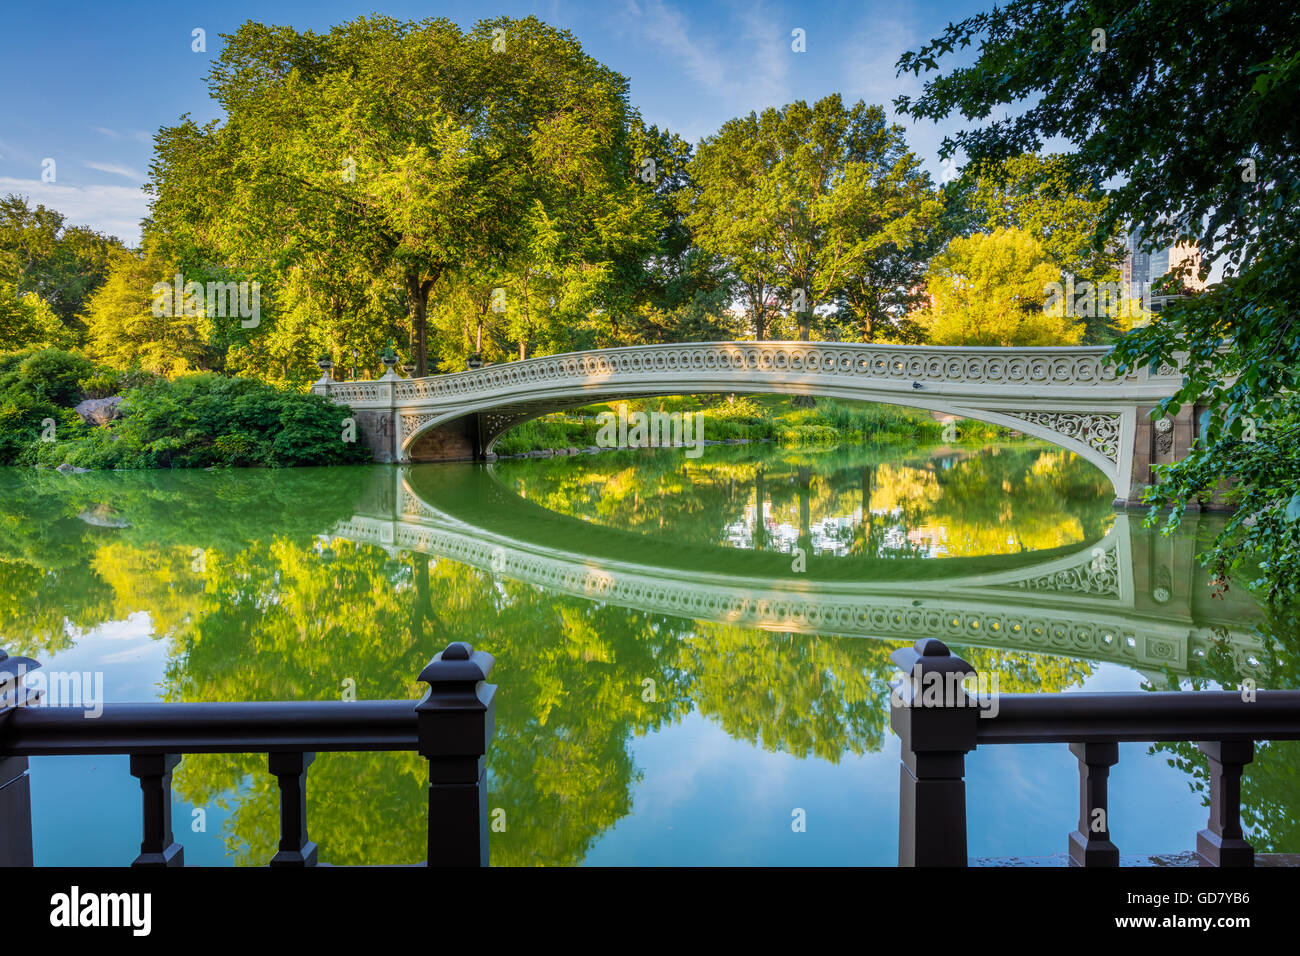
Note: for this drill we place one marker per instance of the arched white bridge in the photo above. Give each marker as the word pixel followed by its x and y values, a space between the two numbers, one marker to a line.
pixel 1123 599
pixel 1073 397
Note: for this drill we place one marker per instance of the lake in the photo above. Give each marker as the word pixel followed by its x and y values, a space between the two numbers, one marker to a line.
pixel 692 654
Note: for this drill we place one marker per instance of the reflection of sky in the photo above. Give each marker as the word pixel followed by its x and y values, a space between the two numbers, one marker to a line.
pixel 703 798
pixel 86 810
pixel 706 798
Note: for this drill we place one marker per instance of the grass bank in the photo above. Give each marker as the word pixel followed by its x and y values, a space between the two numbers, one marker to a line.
pixel 753 418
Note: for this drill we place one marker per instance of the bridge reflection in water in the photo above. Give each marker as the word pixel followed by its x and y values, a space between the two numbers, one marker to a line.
pixel 745 724
pixel 1130 597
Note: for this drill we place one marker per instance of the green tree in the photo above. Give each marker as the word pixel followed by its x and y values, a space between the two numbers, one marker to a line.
pixel 680 292
pixel 1038 195
pixel 27 320
pixel 1189 108
pixel 802 201
pixel 61 264
pixel 990 289
pixel 387 148
pixel 128 326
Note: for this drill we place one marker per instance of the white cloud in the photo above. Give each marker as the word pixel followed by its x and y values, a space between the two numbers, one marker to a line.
pixel 117 170
pixel 766 75
pixel 16 154
pixel 135 135
pixel 116 210
pixel 668 28
pixel 752 74
pixel 880 38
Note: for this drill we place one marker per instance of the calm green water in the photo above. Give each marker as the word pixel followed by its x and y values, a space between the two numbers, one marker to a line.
pixel 689 652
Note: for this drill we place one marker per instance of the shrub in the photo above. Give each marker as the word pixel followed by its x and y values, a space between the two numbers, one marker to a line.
pixel 51 375
pixel 104 382
pixel 740 410
pixel 37 386
pixel 195 421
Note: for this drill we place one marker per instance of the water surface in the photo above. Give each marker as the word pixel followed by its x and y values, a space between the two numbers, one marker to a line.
pixel 690 653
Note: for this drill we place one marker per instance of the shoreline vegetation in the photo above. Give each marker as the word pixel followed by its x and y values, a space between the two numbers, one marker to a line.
pixel 60 410
pixel 736 419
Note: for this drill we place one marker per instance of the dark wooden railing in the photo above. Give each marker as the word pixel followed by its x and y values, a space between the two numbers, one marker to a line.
pixel 451 727
pixel 937 734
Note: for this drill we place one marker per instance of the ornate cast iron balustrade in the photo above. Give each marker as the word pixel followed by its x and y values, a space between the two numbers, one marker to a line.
pixel 1072 396
pixel 1075 366
pixel 936 736
pixel 450 727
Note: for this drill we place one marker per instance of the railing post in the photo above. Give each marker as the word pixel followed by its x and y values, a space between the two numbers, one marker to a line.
pixel 936 721
pixel 1222 842
pixel 1090 845
pixel 15 784
pixel 291 771
pixel 456 722
pixel 158 848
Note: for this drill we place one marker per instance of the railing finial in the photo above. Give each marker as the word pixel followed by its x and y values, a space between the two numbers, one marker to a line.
pixel 936 731
pixel 456 720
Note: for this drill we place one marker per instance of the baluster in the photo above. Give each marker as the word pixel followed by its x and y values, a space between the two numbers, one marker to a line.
pixel 1222 842
pixel 1090 845
pixel 15 784
pixel 291 770
pixel 456 720
pixel 935 741
pixel 155 774
pixel 15 812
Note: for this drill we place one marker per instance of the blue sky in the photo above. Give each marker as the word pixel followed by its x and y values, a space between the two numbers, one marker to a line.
pixel 88 83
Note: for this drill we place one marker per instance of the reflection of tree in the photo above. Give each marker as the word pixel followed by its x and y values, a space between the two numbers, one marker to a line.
pixel 165 581
pixel 282 621
pixel 79 550
pixel 796 693
pixel 1270 784
pixel 994 500
pixel 41 610
pixel 1270 790
pixel 274 614
pixel 48 588
pixel 1020 672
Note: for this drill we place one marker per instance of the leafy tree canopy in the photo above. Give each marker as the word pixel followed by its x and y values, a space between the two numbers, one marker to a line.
pixel 989 289
pixel 61 264
pixel 395 151
pixel 1189 108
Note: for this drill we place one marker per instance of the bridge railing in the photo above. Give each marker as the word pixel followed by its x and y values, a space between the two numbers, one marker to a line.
pixel 938 723
pixel 450 727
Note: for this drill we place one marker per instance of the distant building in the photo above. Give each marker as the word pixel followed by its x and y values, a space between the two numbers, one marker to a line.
pixel 1142 269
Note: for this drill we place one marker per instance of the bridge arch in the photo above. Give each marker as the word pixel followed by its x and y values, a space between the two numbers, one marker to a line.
pixel 1072 397
pixel 501 418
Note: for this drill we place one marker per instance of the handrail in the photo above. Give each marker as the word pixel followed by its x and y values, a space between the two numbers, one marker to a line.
pixel 244 727
pixel 450 727
pixel 938 723
pixel 1162 716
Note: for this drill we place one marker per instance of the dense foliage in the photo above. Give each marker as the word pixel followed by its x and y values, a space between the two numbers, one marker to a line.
pixel 492 191
pixel 40 255
pixel 988 290
pixel 193 421
pixel 1190 108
